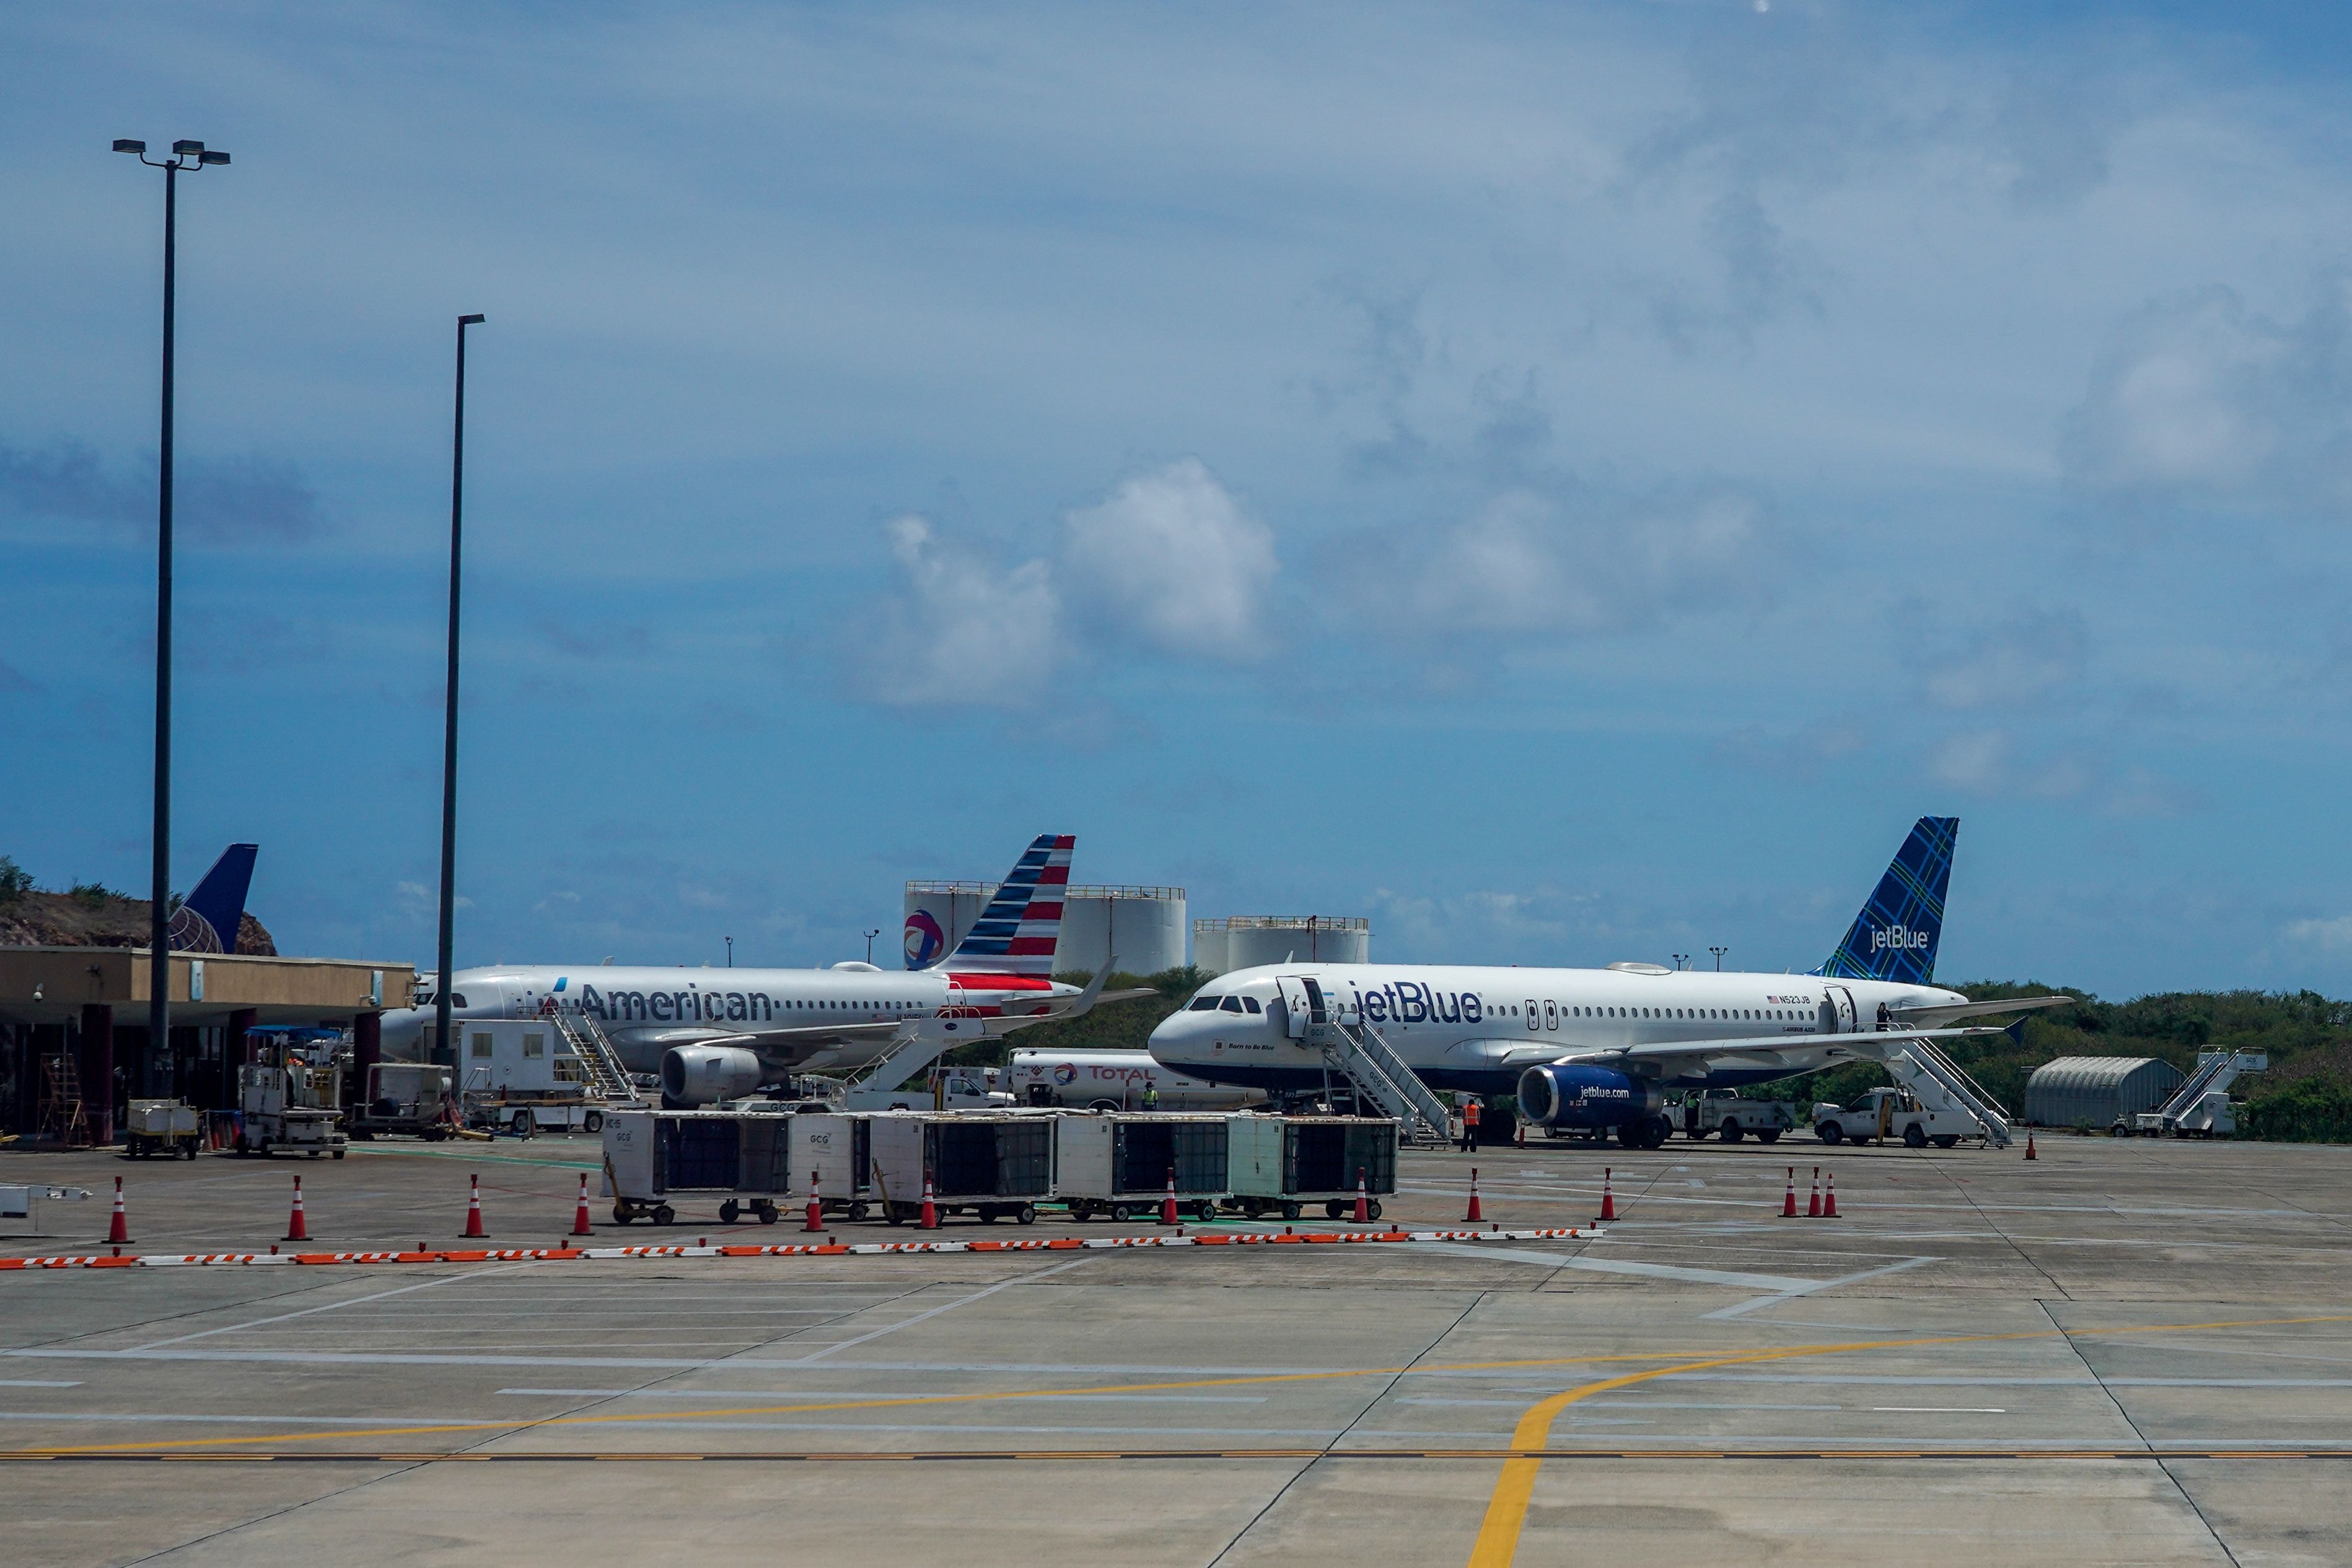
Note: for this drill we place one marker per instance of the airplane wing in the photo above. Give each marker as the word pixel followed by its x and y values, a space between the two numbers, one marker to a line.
pixel 1935 1017
pixel 1674 1058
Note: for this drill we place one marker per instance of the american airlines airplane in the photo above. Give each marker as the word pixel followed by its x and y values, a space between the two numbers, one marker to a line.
pixel 733 1030
pixel 1595 1049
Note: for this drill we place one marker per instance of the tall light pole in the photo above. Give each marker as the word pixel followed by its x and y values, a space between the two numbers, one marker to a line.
pixel 1718 953
pixel 730 952
pixel 869 942
pixel 443 1051
pixel 155 1067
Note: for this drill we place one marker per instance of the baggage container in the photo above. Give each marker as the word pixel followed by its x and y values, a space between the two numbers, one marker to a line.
pixel 990 1164
pixel 837 1149
pixel 651 1157
pixel 1277 1164
pixel 1119 1164
pixel 164 1127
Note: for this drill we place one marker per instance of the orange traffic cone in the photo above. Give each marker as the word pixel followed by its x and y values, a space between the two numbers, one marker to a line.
pixel 1789 1196
pixel 930 1220
pixel 297 1228
pixel 1813 1204
pixel 1168 1214
pixel 1474 1215
pixel 816 1205
pixel 119 1228
pixel 2029 1146
pixel 1363 1199
pixel 473 1208
pixel 580 1226
pixel 1523 1135
pixel 1829 1204
pixel 1608 1197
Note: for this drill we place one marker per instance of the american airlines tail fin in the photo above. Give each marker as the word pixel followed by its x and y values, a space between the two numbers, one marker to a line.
pixel 207 919
pixel 1894 937
pixel 1016 932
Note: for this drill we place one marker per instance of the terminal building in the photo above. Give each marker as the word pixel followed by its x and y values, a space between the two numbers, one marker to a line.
pixel 1142 928
pixel 73 1026
pixel 1250 941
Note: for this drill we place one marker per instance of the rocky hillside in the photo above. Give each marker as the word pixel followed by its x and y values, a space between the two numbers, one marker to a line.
pixel 97 919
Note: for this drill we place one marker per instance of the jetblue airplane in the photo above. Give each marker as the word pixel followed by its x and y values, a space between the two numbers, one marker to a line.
pixel 736 1028
pixel 1595 1049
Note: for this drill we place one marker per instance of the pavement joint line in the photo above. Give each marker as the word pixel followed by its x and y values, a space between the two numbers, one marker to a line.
pixel 1787 1284
pixel 1531 1439
pixel 1743 1308
pixel 797 1250
pixel 1069 1456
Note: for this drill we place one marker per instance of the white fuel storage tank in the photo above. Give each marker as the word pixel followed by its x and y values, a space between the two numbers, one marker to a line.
pixel 1250 941
pixel 1142 927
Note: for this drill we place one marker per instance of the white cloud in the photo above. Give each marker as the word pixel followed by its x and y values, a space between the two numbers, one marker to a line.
pixel 2327 934
pixel 1527 563
pixel 959 630
pixel 2013 661
pixel 1172 558
pixel 2199 398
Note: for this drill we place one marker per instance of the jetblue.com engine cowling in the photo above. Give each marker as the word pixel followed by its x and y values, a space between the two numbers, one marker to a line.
pixel 699 1074
pixel 1567 1095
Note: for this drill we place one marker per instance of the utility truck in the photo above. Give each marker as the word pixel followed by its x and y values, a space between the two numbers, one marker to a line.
pixel 289 1094
pixel 1725 1113
pixel 1888 1111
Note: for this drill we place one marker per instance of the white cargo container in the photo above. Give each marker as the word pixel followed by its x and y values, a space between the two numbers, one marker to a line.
pixel 1279 1163
pixel 1120 1164
pixel 652 1156
pixel 991 1164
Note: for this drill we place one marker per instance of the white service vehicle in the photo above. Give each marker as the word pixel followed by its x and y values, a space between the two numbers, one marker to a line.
pixel 1732 1118
pixel 524 1075
pixel 287 1100
pixel 1888 1111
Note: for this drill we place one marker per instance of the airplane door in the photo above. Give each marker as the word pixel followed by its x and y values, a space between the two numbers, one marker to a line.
pixel 1837 1006
pixel 1302 1000
pixel 1535 1021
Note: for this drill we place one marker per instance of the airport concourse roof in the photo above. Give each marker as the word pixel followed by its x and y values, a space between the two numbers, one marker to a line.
pixel 52 985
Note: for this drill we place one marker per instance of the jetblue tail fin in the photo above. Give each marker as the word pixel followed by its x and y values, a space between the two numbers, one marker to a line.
pixel 207 919
pixel 1894 937
pixel 1016 932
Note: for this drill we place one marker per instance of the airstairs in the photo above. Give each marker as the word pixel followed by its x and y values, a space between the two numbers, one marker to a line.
pixel 1355 1049
pixel 1940 1084
pixel 916 1044
pixel 2216 1070
pixel 606 1073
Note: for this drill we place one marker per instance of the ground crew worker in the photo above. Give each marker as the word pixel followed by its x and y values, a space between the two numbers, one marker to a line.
pixel 1469 1123
pixel 1150 1095
pixel 1885 1018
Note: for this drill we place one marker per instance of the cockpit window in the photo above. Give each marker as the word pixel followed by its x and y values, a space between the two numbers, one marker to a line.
pixel 1250 1003
pixel 1232 1004
pixel 456 999
pixel 1204 1004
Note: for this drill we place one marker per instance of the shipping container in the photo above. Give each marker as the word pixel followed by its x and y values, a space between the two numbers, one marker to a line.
pixel 1120 1164
pixel 984 1162
pixel 1278 1163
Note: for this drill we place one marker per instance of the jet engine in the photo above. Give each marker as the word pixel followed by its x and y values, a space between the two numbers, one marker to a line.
pixel 1565 1095
pixel 699 1074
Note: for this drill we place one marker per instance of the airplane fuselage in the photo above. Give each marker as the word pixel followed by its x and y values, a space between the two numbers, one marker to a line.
pixel 647 1010
pixel 1477 1028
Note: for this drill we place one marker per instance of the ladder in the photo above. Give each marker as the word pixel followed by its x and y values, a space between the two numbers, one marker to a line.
pixel 1357 1051
pixel 1939 1085
pixel 606 1073
pixel 916 1044
pixel 63 1115
pixel 2216 1070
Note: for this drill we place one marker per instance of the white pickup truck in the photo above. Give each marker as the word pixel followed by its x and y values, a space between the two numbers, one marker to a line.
pixel 1890 1113
pixel 1720 1111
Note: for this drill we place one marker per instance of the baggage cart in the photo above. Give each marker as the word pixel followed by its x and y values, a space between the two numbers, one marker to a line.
pixel 165 1127
pixel 836 1149
pixel 1278 1165
pixel 1120 1163
pixel 652 1156
pixel 988 1164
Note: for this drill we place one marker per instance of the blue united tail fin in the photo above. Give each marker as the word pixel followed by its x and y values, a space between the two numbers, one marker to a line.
pixel 207 919
pixel 1894 937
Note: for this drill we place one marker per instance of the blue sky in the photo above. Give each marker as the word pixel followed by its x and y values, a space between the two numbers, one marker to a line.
pixel 1568 482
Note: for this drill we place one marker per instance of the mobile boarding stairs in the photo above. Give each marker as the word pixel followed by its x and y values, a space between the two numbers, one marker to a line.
pixel 2201 1107
pixel 1356 1050
pixel 1940 1084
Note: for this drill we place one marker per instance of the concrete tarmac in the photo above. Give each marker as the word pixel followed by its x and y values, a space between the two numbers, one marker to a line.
pixel 2124 1352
